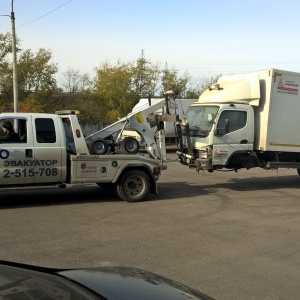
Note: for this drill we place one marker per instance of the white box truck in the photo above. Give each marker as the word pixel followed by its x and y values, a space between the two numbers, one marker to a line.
pixel 244 121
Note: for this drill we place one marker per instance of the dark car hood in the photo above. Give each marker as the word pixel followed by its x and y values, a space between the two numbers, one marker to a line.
pixel 120 283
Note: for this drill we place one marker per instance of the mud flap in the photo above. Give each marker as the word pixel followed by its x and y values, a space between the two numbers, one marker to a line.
pixel 153 187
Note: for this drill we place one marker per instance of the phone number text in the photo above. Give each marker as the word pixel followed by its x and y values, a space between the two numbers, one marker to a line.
pixel 30 172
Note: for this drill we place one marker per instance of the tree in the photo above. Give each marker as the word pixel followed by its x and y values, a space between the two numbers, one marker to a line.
pixel 145 78
pixel 171 81
pixel 197 88
pixel 31 104
pixel 35 73
pixel 6 46
pixel 6 81
pixel 74 81
pixel 113 85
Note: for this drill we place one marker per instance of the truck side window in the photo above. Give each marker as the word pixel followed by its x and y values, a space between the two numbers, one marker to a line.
pixel 237 120
pixel 45 130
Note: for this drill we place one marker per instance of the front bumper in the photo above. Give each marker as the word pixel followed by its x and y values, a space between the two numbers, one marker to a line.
pixel 200 161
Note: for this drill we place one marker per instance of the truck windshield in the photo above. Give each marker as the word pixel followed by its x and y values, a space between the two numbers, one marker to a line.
pixel 201 117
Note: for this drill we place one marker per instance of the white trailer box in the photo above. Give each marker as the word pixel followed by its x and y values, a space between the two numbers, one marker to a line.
pixel 277 121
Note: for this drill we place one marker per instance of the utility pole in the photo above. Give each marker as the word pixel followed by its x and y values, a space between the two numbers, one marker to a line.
pixel 14 52
pixel 142 75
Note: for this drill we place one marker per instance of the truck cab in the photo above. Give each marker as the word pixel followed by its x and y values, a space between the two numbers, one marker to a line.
pixel 218 132
pixel 39 156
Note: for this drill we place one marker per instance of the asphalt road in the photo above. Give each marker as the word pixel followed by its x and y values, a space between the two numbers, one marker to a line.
pixel 229 235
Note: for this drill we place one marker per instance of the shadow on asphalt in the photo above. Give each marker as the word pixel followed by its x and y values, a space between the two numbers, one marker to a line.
pixel 79 194
pixel 53 196
pixel 184 189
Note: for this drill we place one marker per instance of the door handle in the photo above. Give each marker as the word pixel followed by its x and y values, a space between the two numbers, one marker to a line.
pixel 28 152
pixel 244 142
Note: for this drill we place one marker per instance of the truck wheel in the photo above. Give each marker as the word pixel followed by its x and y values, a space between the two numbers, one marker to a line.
pixel 133 186
pixel 129 145
pixel 298 171
pixel 98 147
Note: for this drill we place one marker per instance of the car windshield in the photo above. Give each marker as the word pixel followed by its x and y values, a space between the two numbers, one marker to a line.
pixel 201 117
pixel 18 282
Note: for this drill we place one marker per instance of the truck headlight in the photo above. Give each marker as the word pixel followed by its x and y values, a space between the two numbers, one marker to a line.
pixel 205 152
pixel 203 155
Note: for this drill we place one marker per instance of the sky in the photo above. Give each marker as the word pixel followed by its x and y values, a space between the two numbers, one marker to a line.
pixel 201 37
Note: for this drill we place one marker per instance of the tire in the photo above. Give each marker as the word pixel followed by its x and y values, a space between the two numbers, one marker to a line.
pixel 98 147
pixel 133 186
pixel 298 171
pixel 129 145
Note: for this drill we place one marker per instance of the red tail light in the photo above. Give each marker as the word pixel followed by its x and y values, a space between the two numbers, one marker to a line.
pixel 156 171
pixel 78 133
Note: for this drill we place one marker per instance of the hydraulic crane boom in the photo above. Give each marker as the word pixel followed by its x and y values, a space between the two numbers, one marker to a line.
pixel 140 121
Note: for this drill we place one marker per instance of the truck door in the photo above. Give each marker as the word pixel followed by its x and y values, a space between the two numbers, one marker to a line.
pixel 233 134
pixel 16 160
pixel 48 150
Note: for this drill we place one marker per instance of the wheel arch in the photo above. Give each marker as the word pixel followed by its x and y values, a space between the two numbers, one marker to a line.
pixel 243 159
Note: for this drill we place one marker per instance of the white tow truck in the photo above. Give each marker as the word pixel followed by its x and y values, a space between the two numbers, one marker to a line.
pixel 53 151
